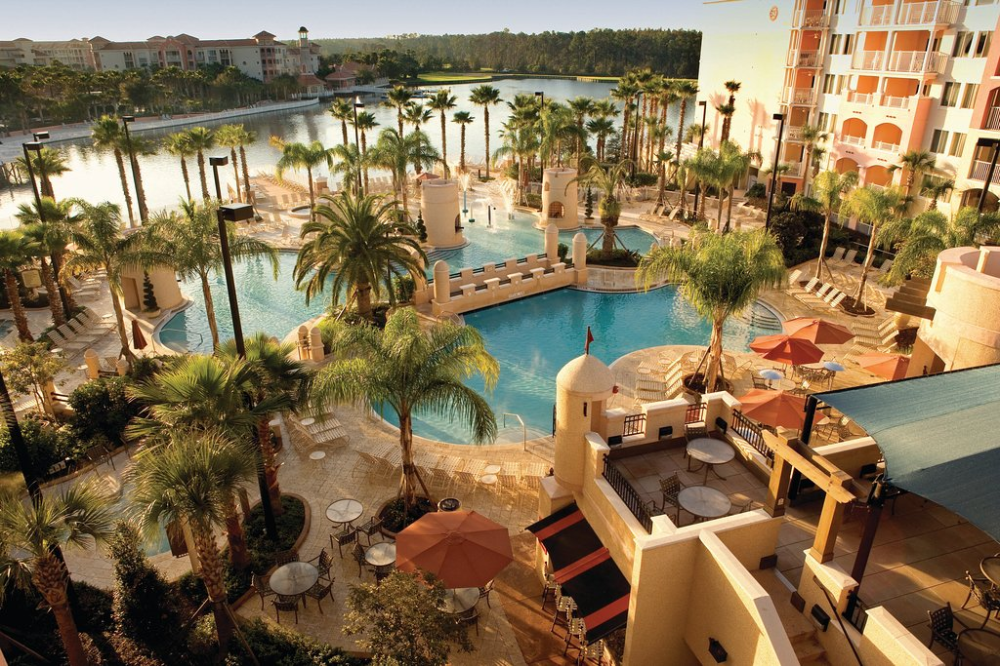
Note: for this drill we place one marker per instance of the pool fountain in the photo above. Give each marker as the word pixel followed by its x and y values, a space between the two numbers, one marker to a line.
pixel 505 190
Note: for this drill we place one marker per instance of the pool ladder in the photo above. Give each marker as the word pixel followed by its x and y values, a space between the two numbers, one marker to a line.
pixel 524 428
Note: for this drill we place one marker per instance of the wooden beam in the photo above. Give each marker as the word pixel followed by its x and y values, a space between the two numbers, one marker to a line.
pixel 826 481
pixel 829 524
pixel 777 487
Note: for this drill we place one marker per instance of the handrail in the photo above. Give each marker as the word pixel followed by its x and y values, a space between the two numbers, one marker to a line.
pixel 634 424
pixel 627 494
pixel 751 432
pixel 524 428
pixel 836 614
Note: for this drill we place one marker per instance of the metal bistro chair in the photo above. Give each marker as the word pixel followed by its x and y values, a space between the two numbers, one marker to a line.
pixel 358 553
pixel 987 597
pixel 319 591
pixel 289 604
pixel 285 556
pixel 382 572
pixel 942 624
pixel 261 586
pixel 484 592
pixel 467 617
pixel 578 630
pixel 372 526
pixel 671 487
pixel 565 607
pixel 324 563
pixel 341 539
pixel 551 588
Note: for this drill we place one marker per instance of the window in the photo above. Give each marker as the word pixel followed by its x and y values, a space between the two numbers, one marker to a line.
pixel 848 44
pixel 969 98
pixel 823 122
pixel 939 141
pixel 957 144
pixel 949 96
pixel 828 83
pixel 983 44
pixel 841 82
pixel 963 44
pixel 835 44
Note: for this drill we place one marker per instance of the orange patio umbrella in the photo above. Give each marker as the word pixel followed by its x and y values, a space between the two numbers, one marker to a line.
pixel 462 548
pixel 890 366
pixel 818 331
pixel 775 408
pixel 787 350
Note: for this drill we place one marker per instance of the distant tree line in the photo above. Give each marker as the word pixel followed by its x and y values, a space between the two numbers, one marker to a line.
pixel 603 52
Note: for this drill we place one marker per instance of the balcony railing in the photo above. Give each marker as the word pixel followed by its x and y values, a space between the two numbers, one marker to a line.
pixel 635 424
pixel 894 102
pixel 793 133
pixel 993 119
pixel 980 169
pixel 811 18
pixel 799 58
pixel 860 98
pixel 913 62
pixel 751 432
pixel 628 494
pixel 853 140
pixel 876 16
pixel 800 96
pixel 933 12
pixel 885 101
pixel 886 146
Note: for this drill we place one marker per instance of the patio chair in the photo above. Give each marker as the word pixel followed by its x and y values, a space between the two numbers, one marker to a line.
pixel 849 258
pixel 289 604
pixel 342 538
pixel 358 553
pixel 759 382
pixel 987 597
pixel 551 588
pixel 285 556
pixel 323 562
pixel 372 526
pixel 593 651
pixel 565 607
pixel 942 625
pixel 484 592
pixel 467 617
pixel 577 629
pixel 98 454
pixel 745 507
pixel 838 255
pixel 261 586
pixel 319 591
pixel 671 487
pixel 793 278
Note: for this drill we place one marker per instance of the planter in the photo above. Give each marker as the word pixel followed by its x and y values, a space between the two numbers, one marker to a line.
pixel 388 510
pixel 151 314
pixel 695 384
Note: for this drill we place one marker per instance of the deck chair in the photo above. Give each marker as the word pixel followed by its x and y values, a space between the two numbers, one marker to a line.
pixel 886 266
pixel 793 278
pixel 838 255
pixel 835 303
pixel 822 291
pixel 849 258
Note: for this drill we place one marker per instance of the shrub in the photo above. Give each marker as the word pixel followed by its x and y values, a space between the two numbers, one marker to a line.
pixel 756 191
pixel 278 646
pixel 93 608
pixel 404 288
pixel 148 294
pixel 643 179
pixel 102 410
pixel 421 228
pixel 619 257
pixel 46 446
pixel 563 251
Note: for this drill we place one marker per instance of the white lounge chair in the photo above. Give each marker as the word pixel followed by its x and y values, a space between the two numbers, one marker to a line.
pixel 822 291
pixel 835 303
pixel 838 255
pixel 793 278
pixel 849 258
pixel 886 266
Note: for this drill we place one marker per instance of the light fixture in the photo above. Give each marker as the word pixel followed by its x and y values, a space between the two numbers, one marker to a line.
pixel 236 212
pixel 218 161
pixel 128 119
pixel 40 136
pixel 717 651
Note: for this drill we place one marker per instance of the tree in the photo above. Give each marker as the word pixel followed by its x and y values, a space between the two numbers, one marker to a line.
pixel 201 139
pixel 149 303
pixel 191 241
pixel 246 138
pixel 46 163
pixel 915 163
pixel 730 108
pixel 401 621
pixel 685 90
pixel 874 207
pixel 366 122
pixel 192 479
pixel 343 111
pixel 362 243
pixel 30 532
pixel 520 142
pixel 398 98
pixel 462 119
pixel 417 115
pixel 16 251
pixel 625 91
pixel 396 152
pixel 610 182
pixel 720 275
pixel 230 136
pixel 410 368
pixel 581 107
pixel 937 189
pixel 52 225
pixel 811 135
pixel 277 378
pixel 39 235
pixel 29 369
pixel 486 96
pixel 306 156
pixel 107 134
pixel 442 102
pixel 179 145
pixel 140 146
pixel 827 198
pixel 601 128
pixel 347 162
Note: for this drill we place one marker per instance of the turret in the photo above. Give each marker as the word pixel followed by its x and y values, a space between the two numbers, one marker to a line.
pixel 582 386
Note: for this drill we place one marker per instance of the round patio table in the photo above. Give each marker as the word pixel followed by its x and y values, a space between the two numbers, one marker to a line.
pixel 492 468
pixel 704 502
pixel 980 647
pixel 460 599
pixel 344 511
pixel 294 578
pixel 710 452
pixel 381 554
pixel 990 567
pixel 308 421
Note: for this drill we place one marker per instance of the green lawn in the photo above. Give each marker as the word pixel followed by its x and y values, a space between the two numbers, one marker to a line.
pixel 453 77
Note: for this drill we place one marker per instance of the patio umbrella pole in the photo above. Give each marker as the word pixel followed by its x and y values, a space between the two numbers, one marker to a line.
pixel 807 425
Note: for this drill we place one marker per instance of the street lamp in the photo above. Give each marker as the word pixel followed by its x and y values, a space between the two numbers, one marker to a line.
pixel 357 145
pixel 240 212
pixel 780 117
pixel 131 159
pixel 541 95
pixel 215 163
pixel 985 143
pixel 36 147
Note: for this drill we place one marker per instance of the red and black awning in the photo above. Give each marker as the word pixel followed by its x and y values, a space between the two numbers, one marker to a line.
pixel 584 567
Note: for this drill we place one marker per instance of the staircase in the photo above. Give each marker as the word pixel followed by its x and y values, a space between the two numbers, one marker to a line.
pixel 800 630
pixel 911 299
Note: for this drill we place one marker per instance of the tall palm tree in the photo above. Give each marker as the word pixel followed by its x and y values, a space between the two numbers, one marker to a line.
pixel 463 119
pixel 246 138
pixel 624 92
pixel 30 532
pixel 398 98
pixel 730 108
pixel 306 156
pixel 107 134
pixel 410 369
pixel 811 135
pixel 829 190
pixel 734 164
pixel 229 136
pixel 178 145
pixel 396 152
pixel 417 115
pixel 347 162
pixel 720 275
pixel 47 163
pixel 201 139
pixel 915 163
pixel 442 102
pixel 102 245
pixel 141 146
pixel 580 107
pixel 601 128
pixel 726 111
pixel 191 241
pixel 486 96
pixel 520 142
pixel 343 111
pixel 54 225
pixel 16 251
pixel 276 376
pixel 193 480
pixel 937 189
pixel 684 90
pixel 366 122
pixel 874 207
pixel 610 182
pixel 363 244
pixel 36 233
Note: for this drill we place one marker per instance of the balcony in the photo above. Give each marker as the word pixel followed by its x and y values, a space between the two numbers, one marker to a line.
pixel 797 58
pixel 993 119
pixel 880 100
pixel 867 99
pixel 980 169
pixel 793 133
pixel 907 62
pixel 911 14
pixel 885 146
pixel 811 18
pixel 801 96
pixel 850 140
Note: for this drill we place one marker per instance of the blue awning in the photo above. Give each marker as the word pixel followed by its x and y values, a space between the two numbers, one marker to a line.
pixel 939 435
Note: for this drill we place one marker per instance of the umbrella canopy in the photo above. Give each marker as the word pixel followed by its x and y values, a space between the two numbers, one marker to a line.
pixel 427 175
pixel 775 408
pixel 462 548
pixel 890 366
pixel 770 374
pixel 818 331
pixel 786 349
pixel 138 339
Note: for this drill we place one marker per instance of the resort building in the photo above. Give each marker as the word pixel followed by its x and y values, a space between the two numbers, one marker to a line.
pixel 877 77
pixel 75 53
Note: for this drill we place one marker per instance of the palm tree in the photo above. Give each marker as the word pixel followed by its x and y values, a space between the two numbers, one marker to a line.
pixel 610 182
pixel 193 480
pixel 363 244
pixel 410 369
pixel 229 136
pixel 442 102
pixel 30 532
pixel 141 146
pixel 520 142
pixel 624 92
pixel 734 164
pixel 36 234
pixel 398 98
pixel 102 245
pixel 396 152
pixel 811 135
pixel 580 107
pixel 915 163
pixel 726 111
pixel 366 121
pixel 107 134
pixel 343 111
pixel 601 128
pixel 720 275
pixel 730 108
pixel 191 240
pixel 874 207
pixel 178 145
pixel 347 162
pixel 54 225
pixel 827 198
pixel 925 236
pixel 200 140
pixel 16 251
pixel 297 156
pixel 937 189
pixel 417 115
pixel 276 376
pixel 685 90
pixel 47 163
pixel 246 138
pixel 462 119
pixel 486 96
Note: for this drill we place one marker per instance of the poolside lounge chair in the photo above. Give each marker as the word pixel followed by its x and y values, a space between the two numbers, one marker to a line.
pixel 793 278
pixel 886 266
pixel 69 344
pixel 838 256
pixel 835 303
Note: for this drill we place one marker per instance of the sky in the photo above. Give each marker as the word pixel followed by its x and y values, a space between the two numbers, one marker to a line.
pixel 120 21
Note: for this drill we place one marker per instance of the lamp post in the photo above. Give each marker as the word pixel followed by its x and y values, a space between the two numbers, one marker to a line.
pixel 215 163
pixel 780 117
pixel 541 95
pixel 131 159
pixel 701 144
pixel 983 143
pixel 357 143
pixel 36 147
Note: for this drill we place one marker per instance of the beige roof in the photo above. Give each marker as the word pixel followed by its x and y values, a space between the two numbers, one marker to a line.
pixel 586 375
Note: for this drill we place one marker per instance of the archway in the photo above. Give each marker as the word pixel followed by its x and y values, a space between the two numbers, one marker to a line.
pixel 846 165
pixel 555 210
pixel 854 131
pixel 878 175
pixel 887 137
pixel 971 198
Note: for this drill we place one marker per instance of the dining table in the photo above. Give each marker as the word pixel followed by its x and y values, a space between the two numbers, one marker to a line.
pixel 294 578
pixel 704 503
pixel 979 647
pixel 990 566
pixel 459 600
pixel 344 511
pixel 381 554
pixel 709 452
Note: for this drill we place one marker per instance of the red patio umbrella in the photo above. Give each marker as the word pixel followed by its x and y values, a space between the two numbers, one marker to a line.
pixel 786 349
pixel 462 548
pixel 775 408
pixel 427 175
pixel 818 331
pixel 138 339
pixel 890 366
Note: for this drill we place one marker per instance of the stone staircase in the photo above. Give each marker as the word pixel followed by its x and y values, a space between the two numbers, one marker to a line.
pixel 800 630
pixel 911 299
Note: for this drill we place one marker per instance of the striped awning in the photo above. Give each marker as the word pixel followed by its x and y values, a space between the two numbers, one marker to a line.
pixel 584 568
